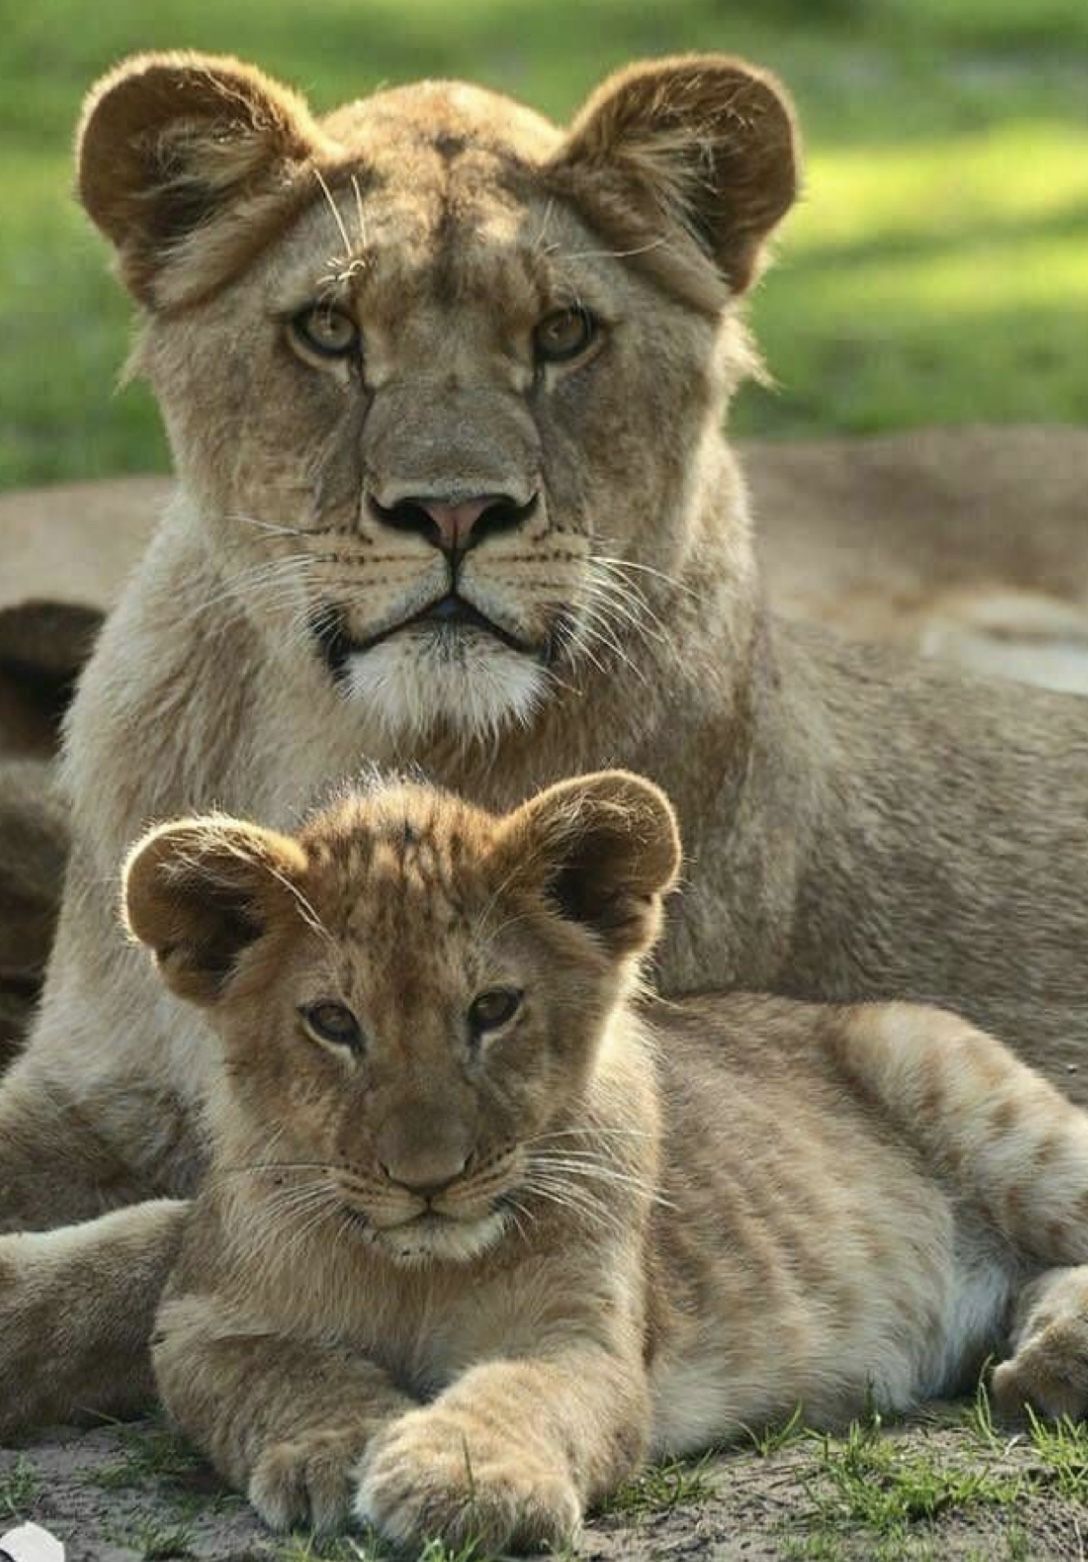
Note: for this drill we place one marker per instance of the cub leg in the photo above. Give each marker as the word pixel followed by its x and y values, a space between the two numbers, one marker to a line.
pixel 1048 1369
pixel 76 1303
pixel 287 1421
pixel 511 1453
pixel 1019 1149
pixel 1011 1142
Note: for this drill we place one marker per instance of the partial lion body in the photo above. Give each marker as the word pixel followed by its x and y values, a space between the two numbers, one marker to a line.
pixel 856 825
pixel 714 1211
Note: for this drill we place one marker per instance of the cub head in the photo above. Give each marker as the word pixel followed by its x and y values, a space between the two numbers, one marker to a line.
pixel 411 994
pixel 444 381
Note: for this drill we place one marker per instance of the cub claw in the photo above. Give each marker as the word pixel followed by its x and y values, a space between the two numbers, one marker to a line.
pixel 428 1477
pixel 307 1480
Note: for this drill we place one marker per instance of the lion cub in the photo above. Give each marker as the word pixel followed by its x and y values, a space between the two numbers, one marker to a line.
pixel 485 1227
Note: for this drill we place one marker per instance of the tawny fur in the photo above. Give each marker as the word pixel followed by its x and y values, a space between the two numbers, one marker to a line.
pixel 459 1281
pixel 856 826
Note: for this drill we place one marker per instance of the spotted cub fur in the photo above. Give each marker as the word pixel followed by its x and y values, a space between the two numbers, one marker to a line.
pixel 486 1226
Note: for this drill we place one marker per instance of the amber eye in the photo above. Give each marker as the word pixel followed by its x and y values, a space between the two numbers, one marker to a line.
pixel 564 334
pixel 332 1022
pixel 326 331
pixel 493 1008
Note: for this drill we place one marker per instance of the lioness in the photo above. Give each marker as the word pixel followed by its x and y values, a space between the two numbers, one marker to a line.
pixel 445 387
pixel 478 1232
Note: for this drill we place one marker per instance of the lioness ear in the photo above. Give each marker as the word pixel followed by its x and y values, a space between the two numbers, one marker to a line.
pixel 200 891
pixel 604 848
pixel 698 152
pixel 187 158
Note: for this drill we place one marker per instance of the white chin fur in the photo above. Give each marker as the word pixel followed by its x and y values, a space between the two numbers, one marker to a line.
pixel 414 683
pixel 421 1242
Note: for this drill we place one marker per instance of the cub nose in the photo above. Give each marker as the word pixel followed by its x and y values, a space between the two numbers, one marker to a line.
pixel 426 1174
pixel 454 524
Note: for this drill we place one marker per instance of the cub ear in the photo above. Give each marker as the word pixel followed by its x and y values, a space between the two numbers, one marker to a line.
pixel 200 891
pixel 685 160
pixel 167 144
pixel 604 848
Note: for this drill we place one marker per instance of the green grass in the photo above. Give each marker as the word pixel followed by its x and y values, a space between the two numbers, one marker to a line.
pixel 932 272
pixel 661 1487
pixel 19 1489
pixel 154 1540
pixel 866 1480
pixel 150 1456
pixel 1062 1450
pixel 349 1548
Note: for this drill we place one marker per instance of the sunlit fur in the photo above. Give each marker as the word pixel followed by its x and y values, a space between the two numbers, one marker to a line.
pixel 651 1226
pixel 854 825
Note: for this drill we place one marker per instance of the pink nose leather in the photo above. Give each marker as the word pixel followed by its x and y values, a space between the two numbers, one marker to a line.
pixel 455 521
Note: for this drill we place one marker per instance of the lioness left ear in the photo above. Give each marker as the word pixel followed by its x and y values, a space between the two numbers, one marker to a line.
pixel 185 161
pixel 699 148
pixel 604 849
pixel 200 891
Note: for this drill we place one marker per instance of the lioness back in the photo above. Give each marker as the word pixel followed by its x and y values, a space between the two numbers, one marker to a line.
pixel 483 1226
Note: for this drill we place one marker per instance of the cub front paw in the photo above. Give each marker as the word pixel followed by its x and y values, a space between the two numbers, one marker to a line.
pixel 435 1475
pixel 307 1480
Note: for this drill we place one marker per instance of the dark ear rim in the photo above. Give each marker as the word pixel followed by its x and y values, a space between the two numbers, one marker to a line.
pixel 197 892
pixel 605 848
pixel 637 156
pixel 139 120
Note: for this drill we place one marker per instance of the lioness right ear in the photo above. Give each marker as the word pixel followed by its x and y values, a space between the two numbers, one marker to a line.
pixel 200 891
pixel 604 849
pixel 175 146
pixel 686 164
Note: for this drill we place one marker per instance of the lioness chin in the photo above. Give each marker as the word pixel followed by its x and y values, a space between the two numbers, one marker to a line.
pixel 445 387
pixel 480 1231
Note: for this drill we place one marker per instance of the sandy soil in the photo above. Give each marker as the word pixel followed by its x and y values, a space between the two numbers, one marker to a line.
pixel 933 1490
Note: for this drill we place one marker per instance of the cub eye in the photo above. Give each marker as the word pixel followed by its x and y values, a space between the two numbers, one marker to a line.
pixel 493 1008
pixel 326 331
pixel 332 1022
pixel 564 334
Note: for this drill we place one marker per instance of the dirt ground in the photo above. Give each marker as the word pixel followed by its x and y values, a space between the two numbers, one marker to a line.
pixel 949 1486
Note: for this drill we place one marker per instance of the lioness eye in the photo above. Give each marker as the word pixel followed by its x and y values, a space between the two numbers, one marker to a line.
pixel 326 331
pixel 332 1022
pixel 493 1008
pixel 564 334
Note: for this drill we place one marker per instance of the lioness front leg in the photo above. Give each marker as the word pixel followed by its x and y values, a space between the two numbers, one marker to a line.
pixel 76 1310
pixel 512 1453
pixel 284 1420
pixel 76 1302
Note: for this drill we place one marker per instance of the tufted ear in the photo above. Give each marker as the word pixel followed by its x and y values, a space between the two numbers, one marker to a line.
pixel 604 849
pixel 684 161
pixel 200 891
pixel 186 162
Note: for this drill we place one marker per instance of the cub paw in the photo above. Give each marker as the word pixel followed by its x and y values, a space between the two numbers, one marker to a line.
pixel 1049 1370
pixel 1049 1373
pixel 308 1480
pixel 434 1475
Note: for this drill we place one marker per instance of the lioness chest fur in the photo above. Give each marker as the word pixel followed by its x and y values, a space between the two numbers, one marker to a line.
pixel 481 1230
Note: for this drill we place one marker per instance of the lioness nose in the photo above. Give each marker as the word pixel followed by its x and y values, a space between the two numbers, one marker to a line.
pixel 454 524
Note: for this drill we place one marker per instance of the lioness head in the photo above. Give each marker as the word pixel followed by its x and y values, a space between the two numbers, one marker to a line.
pixel 411 993
pixel 443 380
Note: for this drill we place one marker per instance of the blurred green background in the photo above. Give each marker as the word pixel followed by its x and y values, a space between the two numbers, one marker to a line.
pixel 937 270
